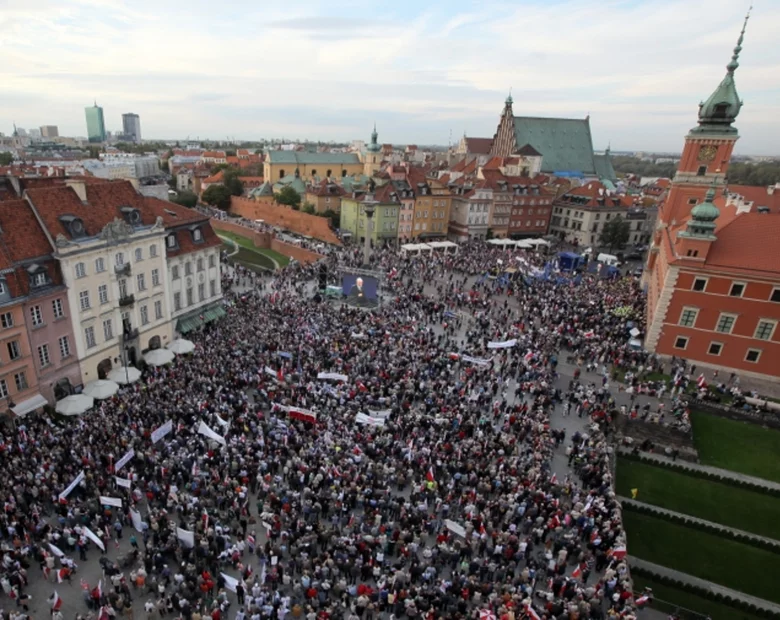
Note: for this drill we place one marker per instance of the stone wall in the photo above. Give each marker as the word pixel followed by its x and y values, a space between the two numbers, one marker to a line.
pixel 266 241
pixel 284 217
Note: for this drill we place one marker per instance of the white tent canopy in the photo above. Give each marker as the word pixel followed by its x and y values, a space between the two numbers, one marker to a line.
pixel 124 375
pixel 504 243
pixel 75 404
pixel 443 245
pixel 159 357
pixel 180 346
pixel 536 242
pixel 416 247
pixel 101 389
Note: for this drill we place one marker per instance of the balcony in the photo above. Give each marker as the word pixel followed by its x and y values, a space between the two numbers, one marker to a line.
pixel 129 335
pixel 126 300
pixel 123 269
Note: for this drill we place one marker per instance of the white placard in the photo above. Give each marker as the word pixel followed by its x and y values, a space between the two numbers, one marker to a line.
pixel 334 376
pixel 477 361
pixel 383 413
pixel 123 482
pixel 124 460
pixel 56 550
pixel 506 344
pixel 162 431
pixel 455 528
pixel 186 537
pixel 110 501
pixel 138 524
pixel 72 486
pixel 205 429
pixel 368 420
pixel 230 582
pixel 93 537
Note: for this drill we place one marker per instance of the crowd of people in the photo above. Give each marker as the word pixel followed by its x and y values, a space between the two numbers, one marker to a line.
pixel 413 479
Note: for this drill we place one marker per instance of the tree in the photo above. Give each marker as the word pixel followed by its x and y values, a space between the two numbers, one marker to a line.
pixel 232 182
pixel 615 233
pixel 335 218
pixel 217 196
pixel 186 198
pixel 288 196
pixel 6 159
pixel 308 208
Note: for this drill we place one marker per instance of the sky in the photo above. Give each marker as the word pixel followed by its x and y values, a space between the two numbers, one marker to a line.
pixel 425 72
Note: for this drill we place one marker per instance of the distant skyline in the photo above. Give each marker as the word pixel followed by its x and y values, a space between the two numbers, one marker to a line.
pixel 421 71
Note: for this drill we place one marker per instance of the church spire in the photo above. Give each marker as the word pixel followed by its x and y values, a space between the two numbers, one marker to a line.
pixel 509 101
pixel 720 110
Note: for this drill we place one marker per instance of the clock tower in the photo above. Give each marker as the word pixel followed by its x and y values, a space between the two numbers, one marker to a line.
pixel 708 147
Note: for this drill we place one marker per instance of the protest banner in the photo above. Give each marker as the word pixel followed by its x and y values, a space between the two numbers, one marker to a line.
pixel 72 486
pixel 93 537
pixel 124 460
pixel 506 344
pixel 186 537
pixel 455 528
pixel 333 376
pixel 162 431
pixel 368 420
pixel 205 429
pixel 123 482
pixel 110 501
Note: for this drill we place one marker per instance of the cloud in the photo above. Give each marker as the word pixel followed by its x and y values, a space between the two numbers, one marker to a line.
pixel 421 71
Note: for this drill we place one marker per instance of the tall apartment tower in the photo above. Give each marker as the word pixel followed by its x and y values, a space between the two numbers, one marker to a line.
pixel 131 126
pixel 96 125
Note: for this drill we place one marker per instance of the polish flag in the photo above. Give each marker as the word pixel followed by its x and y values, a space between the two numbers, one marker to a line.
pixel 577 572
pixel 62 574
pixel 250 540
pixel 554 479
pixel 486 614
pixel 429 475
pixel 531 613
pixel 702 382
pixel 642 600
pixel 589 334
pixel 619 552
pixel 84 585
pixel 280 375
pixel 55 601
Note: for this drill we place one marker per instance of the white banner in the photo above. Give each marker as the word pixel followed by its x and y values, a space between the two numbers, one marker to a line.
pixel 221 421
pixel 186 537
pixel 333 375
pixel 138 524
pixel 123 482
pixel 455 528
pixel 56 550
pixel 111 501
pixel 300 414
pixel 383 413
pixel 72 486
pixel 477 361
pixel 270 371
pixel 93 537
pixel 204 429
pixel 230 582
pixel 124 460
pixel 506 344
pixel 162 431
pixel 368 420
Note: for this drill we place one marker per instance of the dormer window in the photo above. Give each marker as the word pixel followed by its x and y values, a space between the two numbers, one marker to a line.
pixel 197 235
pixel 3 287
pixel 131 215
pixel 170 241
pixel 74 226
pixel 38 276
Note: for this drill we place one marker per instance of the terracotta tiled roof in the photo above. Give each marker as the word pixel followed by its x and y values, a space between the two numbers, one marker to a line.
pixel 742 243
pixel 181 219
pixel 494 163
pixel 760 196
pixel 22 235
pixel 594 190
pixel 479 146
pixel 215 178
pixel 325 188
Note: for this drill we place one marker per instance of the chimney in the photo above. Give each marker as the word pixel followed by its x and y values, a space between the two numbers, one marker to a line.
pixel 79 187
pixel 771 188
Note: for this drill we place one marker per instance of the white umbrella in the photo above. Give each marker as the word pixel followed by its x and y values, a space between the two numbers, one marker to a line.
pixel 101 389
pixel 124 375
pixel 181 346
pixel 159 357
pixel 74 404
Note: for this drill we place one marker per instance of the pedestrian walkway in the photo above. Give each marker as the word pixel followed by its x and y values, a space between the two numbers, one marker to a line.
pixel 726 473
pixel 702 583
pixel 733 530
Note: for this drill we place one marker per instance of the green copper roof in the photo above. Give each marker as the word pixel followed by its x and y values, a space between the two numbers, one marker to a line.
pixel 720 110
pixel 565 143
pixel 604 168
pixel 301 158
pixel 703 216
pixel 264 190
pixel 373 147
pixel 293 181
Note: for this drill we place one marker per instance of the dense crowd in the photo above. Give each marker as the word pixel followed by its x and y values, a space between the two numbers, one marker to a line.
pixel 414 482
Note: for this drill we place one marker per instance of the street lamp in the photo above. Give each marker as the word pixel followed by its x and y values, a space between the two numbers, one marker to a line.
pixel 369 206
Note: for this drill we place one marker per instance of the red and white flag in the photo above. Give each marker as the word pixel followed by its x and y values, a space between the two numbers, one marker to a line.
pixel 701 382
pixel 486 614
pixel 618 552
pixel 62 575
pixel 577 572
pixel 589 334
pixel 250 540
pixel 429 475
pixel 554 479
pixel 531 613
pixel 55 601
pixel 642 600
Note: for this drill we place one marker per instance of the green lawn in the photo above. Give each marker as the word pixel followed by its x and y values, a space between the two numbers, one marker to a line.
pixel 728 563
pixel 668 599
pixel 253 260
pixel 245 242
pixel 722 503
pixel 739 446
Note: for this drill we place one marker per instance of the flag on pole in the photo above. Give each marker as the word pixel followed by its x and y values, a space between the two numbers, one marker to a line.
pixel 531 613
pixel 62 575
pixel 701 382
pixel 642 600
pixel 618 552
pixel 55 601
pixel 577 572
pixel 429 475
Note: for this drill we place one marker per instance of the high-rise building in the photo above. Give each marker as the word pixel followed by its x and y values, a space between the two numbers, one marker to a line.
pixel 49 131
pixel 96 126
pixel 131 127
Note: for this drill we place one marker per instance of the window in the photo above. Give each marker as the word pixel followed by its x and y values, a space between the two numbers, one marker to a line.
pixel 64 347
pixel 701 171
pixel 158 310
pixel 692 201
pixel 681 342
pixel 119 259
pixel 737 288
pixel 84 300
pixel 177 301
pixel 43 355
pixel 715 348
pixel 7 320
pixel 3 389
pixel 200 264
pixel 725 323
pixel 57 309
pixel 108 329
pixel 153 251
pixel 688 317
pixel 775 296
pixel 700 284
pixel 155 277
pixel 103 294
pixel 190 298
pixel 21 381
pixel 81 270
pixel 122 288
pixel 140 281
pixel 170 241
pixel 197 235
pixel 753 355
pixel 36 316
pixel 100 265
pixel 14 351
pixel 201 291
pixel 765 330
pixel 139 254
pixel 175 272
pixel 144 315
pixel 89 337
pixel 213 288
pixel 188 268
pixel 39 279
pixel 212 261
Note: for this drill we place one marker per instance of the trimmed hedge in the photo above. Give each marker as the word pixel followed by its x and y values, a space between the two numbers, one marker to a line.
pixel 697 473
pixel 653 511
pixel 705 593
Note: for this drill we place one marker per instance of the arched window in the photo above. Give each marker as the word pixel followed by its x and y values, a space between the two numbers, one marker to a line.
pixel 281 173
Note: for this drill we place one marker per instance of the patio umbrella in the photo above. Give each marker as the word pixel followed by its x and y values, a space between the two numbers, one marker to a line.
pixel 180 346
pixel 101 389
pixel 124 375
pixel 75 404
pixel 159 357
